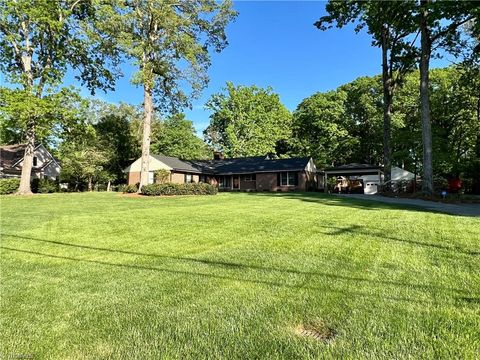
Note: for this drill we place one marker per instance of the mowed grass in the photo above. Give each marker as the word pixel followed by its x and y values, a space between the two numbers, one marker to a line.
pixel 235 276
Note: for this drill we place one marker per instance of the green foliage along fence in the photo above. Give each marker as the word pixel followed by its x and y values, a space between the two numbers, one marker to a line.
pixel 179 189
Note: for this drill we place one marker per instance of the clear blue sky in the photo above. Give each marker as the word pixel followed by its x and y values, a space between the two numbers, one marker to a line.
pixel 274 43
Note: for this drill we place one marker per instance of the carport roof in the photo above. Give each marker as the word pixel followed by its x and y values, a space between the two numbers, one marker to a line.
pixel 353 169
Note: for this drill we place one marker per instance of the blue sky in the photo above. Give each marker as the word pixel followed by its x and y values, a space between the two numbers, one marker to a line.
pixel 274 43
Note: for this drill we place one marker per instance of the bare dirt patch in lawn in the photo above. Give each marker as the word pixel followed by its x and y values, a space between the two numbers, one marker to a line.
pixel 316 330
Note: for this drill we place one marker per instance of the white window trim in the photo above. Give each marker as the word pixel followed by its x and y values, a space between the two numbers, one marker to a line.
pixel 288 178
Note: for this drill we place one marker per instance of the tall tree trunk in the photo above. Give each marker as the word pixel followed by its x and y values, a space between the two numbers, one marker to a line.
pixel 147 123
pixel 24 188
pixel 387 110
pixel 90 184
pixel 426 49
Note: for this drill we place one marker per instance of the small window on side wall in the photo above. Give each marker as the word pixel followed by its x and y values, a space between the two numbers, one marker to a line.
pixel 188 178
pixel 35 161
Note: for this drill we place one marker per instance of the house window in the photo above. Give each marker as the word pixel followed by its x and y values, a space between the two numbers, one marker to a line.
pixel 202 179
pixel 151 177
pixel 224 181
pixel 249 177
pixel 35 161
pixel 288 178
pixel 188 178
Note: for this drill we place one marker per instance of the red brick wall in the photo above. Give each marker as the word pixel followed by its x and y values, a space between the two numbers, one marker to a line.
pixel 133 178
pixel 266 181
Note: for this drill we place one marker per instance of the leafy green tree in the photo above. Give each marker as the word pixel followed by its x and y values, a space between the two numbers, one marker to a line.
pixel 58 112
pixel 363 113
pixel 176 137
pixel 321 129
pixel 440 24
pixel 390 25
pixel 455 127
pixel 169 41
pixel 114 134
pixel 247 121
pixel 39 41
pixel 83 159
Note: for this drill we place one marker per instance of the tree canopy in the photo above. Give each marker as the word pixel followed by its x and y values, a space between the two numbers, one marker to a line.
pixel 175 136
pixel 247 121
pixel 41 40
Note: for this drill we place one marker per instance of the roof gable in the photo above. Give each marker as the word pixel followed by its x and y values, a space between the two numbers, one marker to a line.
pixel 11 156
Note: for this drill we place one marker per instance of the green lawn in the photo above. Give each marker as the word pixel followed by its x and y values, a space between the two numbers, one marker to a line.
pixel 235 276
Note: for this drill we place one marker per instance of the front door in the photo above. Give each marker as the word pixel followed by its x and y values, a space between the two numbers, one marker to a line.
pixel 236 182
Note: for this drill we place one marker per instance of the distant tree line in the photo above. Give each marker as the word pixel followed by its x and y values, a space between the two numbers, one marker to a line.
pixel 95 141
pixel 346 125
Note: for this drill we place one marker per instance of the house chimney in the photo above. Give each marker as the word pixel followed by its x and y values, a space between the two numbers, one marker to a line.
pixel 218 155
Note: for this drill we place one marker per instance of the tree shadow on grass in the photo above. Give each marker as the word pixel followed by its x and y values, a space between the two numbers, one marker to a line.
pixel 331 200
pixel 380 236
pixel 234 266
pixel 326 289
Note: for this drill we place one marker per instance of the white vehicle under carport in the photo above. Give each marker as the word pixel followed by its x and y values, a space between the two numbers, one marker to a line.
pixel 371 188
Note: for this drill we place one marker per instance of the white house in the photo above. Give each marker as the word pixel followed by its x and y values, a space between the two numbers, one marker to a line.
pixel 44 164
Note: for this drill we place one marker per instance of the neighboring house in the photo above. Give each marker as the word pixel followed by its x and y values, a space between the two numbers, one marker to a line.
pixel 44 164
pixel 249 174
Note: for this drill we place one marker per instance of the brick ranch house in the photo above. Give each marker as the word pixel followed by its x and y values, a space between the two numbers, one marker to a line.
pixel 44 164
pixel 258 173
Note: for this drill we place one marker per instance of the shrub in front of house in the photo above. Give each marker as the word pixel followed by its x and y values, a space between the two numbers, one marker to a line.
pixel 9 186
pixel 129 189
pixel 179 189
pixel 46 186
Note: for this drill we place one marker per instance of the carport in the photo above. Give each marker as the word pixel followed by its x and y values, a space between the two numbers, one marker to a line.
pixel 352 170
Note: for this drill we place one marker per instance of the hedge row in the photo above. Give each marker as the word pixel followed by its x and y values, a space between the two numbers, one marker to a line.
pixel 179 189
pixel 9 186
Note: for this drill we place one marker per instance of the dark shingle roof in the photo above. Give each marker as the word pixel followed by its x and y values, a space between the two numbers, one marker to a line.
pixel 176 163
pixel 258 164
pixel 11 154
pixel 234 166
